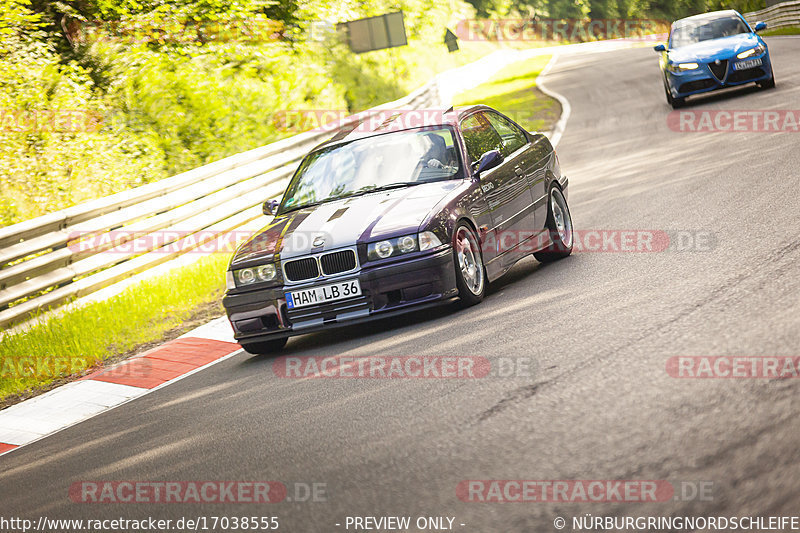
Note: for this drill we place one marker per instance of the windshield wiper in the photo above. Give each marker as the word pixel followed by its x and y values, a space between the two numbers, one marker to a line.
pixel 359 192
pixel 398 185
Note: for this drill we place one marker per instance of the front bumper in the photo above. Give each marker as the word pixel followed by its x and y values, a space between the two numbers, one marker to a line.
pixel 703 80
pixel 262 314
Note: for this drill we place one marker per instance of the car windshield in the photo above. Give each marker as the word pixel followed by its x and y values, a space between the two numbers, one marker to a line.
pixel 381 162
pixel 691 31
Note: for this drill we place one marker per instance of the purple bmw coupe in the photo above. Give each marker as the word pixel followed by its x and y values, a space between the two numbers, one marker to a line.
pixel 393 217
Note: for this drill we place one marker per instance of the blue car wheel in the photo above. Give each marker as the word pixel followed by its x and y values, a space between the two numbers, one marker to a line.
pixel 674 102
pixel 770 83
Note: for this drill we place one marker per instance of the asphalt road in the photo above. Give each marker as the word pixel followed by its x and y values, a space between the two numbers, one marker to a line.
pixel 599 326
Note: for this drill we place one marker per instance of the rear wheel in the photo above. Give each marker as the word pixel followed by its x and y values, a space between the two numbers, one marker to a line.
pixel 559 224
pixel 470 272
pixel 265 347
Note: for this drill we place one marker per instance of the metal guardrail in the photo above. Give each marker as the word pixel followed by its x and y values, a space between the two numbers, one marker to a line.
pixel 781 15
pixel 43 263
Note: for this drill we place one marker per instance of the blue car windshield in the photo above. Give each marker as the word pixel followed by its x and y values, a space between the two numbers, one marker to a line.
pixel 691 31
pixel 389 160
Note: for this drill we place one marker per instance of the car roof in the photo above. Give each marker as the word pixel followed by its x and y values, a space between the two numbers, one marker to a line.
pixel 388 120
pixel 710 15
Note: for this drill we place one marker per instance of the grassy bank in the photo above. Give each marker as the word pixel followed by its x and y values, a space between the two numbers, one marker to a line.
pixel 513 91
pixel 791 30
pixel 67 345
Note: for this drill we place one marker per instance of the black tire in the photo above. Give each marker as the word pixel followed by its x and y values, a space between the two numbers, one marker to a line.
pixel 558 249
pixel 265 347
pixel 468 262
pixel 674 102
pixel 669 95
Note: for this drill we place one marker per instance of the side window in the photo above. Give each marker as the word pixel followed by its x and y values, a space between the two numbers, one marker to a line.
pixel 513 137
pixel 479 136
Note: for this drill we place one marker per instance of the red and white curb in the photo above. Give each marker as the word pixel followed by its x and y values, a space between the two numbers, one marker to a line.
pixel 43 415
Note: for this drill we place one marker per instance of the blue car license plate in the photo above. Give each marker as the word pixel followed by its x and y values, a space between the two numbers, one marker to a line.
pixel 323 294
pixel 750 63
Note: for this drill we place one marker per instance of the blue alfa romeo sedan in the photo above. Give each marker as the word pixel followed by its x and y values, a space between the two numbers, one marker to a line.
pixel 712 51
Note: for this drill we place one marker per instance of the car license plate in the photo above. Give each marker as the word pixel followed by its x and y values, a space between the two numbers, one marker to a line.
pixel 750 63
pixel 323 294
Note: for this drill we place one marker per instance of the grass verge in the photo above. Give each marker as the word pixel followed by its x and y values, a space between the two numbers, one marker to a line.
pixel 69 345
pixel 791 30
pixel 513 91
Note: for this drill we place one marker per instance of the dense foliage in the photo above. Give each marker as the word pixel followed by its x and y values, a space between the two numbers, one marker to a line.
pixel 97 96
pixel 609 9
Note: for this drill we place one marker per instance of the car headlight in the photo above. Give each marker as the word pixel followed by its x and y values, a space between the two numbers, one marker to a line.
pixel 757 51
pixel 681 67
pixel 402 245
pixel 392 247
pixel 249 276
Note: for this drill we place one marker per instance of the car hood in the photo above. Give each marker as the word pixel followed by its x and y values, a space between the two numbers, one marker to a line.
pixel 707 51
pixel 345 222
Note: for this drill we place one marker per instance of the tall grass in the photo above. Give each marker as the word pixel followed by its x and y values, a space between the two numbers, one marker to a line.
pixel 81 337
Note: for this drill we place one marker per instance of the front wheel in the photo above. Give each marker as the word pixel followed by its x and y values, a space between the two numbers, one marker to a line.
pixel 674 102
pixel 770 83
pixel 265 347
pixel 559 225
pixel 470 272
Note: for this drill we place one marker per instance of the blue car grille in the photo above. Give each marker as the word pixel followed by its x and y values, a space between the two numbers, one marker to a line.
pixel 744 75
pixel 697 85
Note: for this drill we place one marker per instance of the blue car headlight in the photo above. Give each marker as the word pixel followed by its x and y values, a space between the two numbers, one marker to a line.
pixel 757 51
pixel 682 67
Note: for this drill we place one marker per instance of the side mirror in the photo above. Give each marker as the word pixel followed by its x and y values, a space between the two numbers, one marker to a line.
pixel 489 160
pixel 660 47
pixel 270 207
pixel 760 26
